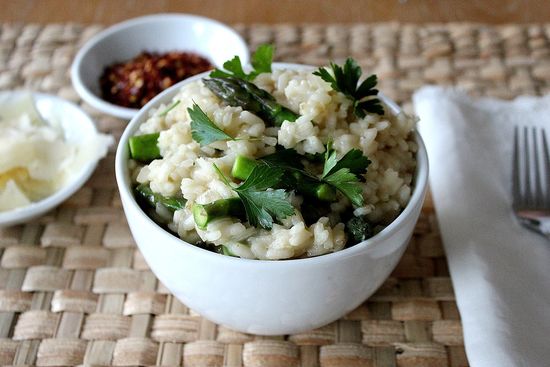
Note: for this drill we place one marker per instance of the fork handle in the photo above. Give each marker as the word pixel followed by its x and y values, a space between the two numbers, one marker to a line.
pixel 545 227
pixel 540 225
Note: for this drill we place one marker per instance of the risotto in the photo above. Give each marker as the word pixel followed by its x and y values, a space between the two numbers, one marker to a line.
pixel 188 174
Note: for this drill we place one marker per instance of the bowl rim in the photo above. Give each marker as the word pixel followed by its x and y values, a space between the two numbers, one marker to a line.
pixel 110 108
pixel 417 196
pixel 34 209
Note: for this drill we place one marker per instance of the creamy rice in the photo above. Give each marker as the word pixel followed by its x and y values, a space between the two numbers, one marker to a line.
pixel 187 169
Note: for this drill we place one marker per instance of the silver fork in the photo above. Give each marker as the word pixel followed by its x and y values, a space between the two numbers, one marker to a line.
pixel 531 179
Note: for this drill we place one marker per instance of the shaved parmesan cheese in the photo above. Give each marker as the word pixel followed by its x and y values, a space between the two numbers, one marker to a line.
pixel 35 158
pixel 12 197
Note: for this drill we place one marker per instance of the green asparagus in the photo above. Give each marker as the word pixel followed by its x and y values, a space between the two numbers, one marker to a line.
pixel 145 193
pixel 205 213
pixel 144 148
pixel 243 167
pixel 312 187
pixel 241 93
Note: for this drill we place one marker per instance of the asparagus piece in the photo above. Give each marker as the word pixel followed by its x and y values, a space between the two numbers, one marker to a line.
pixel 359 229
pixel 312 187
pixel 144 192
pixel 144 148
pixel 205 213
pixel 324 192
pixel 243 167
pixel 241 93
pixel 304 184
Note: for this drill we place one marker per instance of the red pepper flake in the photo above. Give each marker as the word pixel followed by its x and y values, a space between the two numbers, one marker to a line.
pixel 135 82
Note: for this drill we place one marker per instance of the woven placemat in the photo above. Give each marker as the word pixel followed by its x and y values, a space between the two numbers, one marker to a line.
pixel 74 289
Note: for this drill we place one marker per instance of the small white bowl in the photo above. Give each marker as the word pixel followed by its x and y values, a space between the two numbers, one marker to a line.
pixel 267 297
pixel 155 33
pixel 77 126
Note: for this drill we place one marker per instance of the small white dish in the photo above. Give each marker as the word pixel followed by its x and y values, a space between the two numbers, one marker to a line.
pixel 77 126
pixel 155 33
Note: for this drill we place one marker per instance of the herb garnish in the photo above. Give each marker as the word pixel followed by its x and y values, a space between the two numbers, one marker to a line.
pixel 345 80
pixel 169 108
pixel 354 160
pixel 203 130
pixel 348 184
pixel 344 173
pixel 261 204
pixel 261 63
pixel 284 158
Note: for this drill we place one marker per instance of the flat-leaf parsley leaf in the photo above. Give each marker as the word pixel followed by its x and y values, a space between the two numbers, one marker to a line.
pixel 261 63
pixel 354 160
pixel 203 130
pixel 284 158
pixel 262 59
pixel 346 79
pixel 345 173
pixel 260 201
pixel 348 184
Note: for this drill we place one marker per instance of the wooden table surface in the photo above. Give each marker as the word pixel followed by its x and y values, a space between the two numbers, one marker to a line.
pixel 281 11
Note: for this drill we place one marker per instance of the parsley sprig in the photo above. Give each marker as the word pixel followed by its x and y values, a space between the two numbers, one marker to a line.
pixel 344 173
pixel 354 160
pixel 346 79
pixel 169 108
pixel 262 205
pixel 284 158
pixel 203 130
pixel 261 63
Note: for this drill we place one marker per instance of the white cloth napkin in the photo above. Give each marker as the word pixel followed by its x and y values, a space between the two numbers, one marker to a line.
pixel 500 271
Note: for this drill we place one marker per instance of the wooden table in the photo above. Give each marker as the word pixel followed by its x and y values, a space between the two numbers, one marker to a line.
pixel 288 11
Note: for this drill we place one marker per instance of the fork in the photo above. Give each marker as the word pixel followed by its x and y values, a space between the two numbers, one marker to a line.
pixel 531 179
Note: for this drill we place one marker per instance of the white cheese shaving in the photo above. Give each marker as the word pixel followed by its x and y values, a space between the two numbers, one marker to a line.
pixel 12 197
pixel 35 158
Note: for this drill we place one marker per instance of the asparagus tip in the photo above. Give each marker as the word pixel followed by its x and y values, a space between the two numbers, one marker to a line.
pixel 200 215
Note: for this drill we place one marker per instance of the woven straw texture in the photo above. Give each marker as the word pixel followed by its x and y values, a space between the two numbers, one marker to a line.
pixel 75 290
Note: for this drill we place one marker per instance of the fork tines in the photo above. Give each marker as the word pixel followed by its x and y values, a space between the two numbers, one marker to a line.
pixel 531 169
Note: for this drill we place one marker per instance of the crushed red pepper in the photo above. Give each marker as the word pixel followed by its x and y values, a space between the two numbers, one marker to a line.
pixel 135 82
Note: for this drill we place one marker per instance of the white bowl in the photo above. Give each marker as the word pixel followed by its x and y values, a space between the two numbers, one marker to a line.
pixel 77 126
pixel 154 33
pixel 267 297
